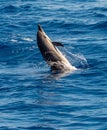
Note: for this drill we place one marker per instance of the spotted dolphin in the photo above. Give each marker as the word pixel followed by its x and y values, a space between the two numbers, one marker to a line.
pixel 51 54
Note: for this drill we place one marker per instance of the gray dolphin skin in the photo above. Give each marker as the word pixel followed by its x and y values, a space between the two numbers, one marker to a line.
pixel 51 54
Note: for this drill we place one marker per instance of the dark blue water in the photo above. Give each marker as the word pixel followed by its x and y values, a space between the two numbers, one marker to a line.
pixel 31 97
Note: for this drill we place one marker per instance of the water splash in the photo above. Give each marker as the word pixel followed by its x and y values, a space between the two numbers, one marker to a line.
pixel 75 57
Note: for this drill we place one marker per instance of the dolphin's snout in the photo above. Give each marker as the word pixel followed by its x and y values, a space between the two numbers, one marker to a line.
pixel 40 28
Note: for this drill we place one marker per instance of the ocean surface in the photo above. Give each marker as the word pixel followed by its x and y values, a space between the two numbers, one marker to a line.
pixel 31 96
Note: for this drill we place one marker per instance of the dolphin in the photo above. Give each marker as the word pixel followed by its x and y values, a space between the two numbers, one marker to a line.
pixel 51 54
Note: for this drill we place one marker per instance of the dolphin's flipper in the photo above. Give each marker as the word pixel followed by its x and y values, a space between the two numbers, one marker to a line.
pixel 57 44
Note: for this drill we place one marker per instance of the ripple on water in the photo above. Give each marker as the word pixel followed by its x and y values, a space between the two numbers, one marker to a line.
pixel 31 97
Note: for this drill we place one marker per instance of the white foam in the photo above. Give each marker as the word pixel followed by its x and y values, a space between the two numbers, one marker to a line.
pixel 13 40
pixel 27 39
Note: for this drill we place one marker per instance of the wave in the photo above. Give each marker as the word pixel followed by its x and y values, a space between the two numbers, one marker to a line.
pixel 100 25
pixel 10 9
pixel 15 9
pixel 38 127
pixel 61 27
pixel 99 15
pixel 14 53
pixel 100 9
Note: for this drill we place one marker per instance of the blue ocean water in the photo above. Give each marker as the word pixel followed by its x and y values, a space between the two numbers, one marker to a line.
pixel 31 97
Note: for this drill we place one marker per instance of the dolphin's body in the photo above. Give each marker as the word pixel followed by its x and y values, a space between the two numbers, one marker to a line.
pixel 54 58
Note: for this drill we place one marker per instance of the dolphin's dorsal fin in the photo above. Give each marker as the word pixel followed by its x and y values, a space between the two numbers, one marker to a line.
pixel 57 44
